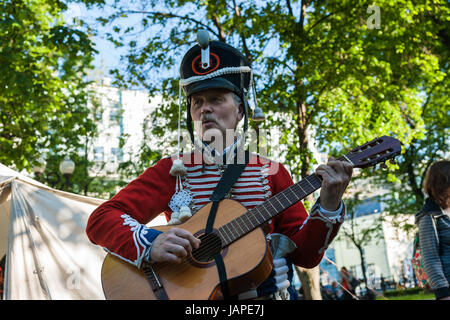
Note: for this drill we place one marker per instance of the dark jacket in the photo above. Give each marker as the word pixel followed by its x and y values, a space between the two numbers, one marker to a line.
pixel 434 235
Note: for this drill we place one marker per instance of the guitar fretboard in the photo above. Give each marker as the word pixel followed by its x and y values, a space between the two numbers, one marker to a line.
pixel 255 217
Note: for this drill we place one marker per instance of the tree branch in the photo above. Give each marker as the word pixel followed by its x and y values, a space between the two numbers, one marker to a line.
pixel 241 34
pixel 321 19
pixel 303 6
pixel 275 59
pixel 170 15
pixel 288 5
pixel 417 190
pixel 425 105
pixel 327 16
pixel 221 34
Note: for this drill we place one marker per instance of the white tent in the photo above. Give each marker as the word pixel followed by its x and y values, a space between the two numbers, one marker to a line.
pixel 42 233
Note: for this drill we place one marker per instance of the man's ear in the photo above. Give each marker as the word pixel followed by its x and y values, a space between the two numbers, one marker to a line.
pixel 241 111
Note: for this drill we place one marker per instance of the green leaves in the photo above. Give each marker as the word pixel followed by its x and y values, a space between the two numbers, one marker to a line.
pixel 42 87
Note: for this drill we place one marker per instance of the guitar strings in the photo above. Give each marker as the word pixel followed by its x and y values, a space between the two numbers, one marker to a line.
pixel 181 267
pixel 202 252
pixel 206 250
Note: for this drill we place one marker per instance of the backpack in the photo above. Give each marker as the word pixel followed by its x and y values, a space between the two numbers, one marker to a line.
pixel 417 259
pixel 417 263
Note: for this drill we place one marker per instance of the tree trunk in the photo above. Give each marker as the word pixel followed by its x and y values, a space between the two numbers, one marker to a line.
pixel 302 127
pixel 412 177
pixel 363 264
pixel 310 279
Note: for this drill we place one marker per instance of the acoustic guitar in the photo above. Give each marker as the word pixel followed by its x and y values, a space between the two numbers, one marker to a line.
pixel 237 235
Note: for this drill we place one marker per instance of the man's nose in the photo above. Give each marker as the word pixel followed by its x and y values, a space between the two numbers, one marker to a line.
pixel 206 108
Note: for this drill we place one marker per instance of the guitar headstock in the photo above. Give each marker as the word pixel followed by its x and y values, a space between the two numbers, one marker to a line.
pixel 376 151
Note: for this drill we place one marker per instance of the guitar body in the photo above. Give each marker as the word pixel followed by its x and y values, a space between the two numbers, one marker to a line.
pixel 247 260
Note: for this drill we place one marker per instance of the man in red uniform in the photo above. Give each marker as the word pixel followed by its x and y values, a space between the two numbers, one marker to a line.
pixel 216 79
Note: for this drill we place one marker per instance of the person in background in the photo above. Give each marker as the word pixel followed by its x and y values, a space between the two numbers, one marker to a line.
pixel 347 281
pixel 433 221
pixel 336 290
pixel 331 291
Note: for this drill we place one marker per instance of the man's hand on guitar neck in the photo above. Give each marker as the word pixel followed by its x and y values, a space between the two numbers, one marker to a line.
pixel 173 245
pixel 335 177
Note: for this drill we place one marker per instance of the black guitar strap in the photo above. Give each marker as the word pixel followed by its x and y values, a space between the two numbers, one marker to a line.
pixel 229 177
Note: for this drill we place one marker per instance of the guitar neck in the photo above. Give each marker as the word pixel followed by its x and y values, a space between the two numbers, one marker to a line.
pixel 255 217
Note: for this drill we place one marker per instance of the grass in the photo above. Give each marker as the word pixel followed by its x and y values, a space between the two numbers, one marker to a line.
pixel 416 296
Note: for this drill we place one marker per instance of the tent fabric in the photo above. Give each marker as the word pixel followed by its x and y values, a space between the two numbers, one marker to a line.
pixel 42 233
pixel 48 255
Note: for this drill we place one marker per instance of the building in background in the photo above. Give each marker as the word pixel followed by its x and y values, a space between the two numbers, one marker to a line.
pixel 120 115
pixel 328 269
pixel 388 252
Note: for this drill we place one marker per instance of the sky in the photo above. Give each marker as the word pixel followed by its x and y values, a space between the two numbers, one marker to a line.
pixel 108 57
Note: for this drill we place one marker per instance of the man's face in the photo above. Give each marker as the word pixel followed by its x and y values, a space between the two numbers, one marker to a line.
pixel 214 109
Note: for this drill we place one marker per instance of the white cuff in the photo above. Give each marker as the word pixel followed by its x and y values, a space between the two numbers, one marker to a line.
pixel 332 214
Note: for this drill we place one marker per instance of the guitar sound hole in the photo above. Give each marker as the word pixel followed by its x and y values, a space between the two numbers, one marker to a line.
pixel 210 246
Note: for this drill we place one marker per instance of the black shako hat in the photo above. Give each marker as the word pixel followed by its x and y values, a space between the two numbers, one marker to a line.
pixel 213 65
pixel 227 68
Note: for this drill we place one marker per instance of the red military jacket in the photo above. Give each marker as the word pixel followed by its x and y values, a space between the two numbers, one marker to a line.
pixel 119 225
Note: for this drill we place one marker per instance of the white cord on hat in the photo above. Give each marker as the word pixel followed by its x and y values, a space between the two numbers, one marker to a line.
pixel 218 73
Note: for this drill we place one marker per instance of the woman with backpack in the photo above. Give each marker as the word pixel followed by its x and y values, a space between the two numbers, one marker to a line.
pixel 433 221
